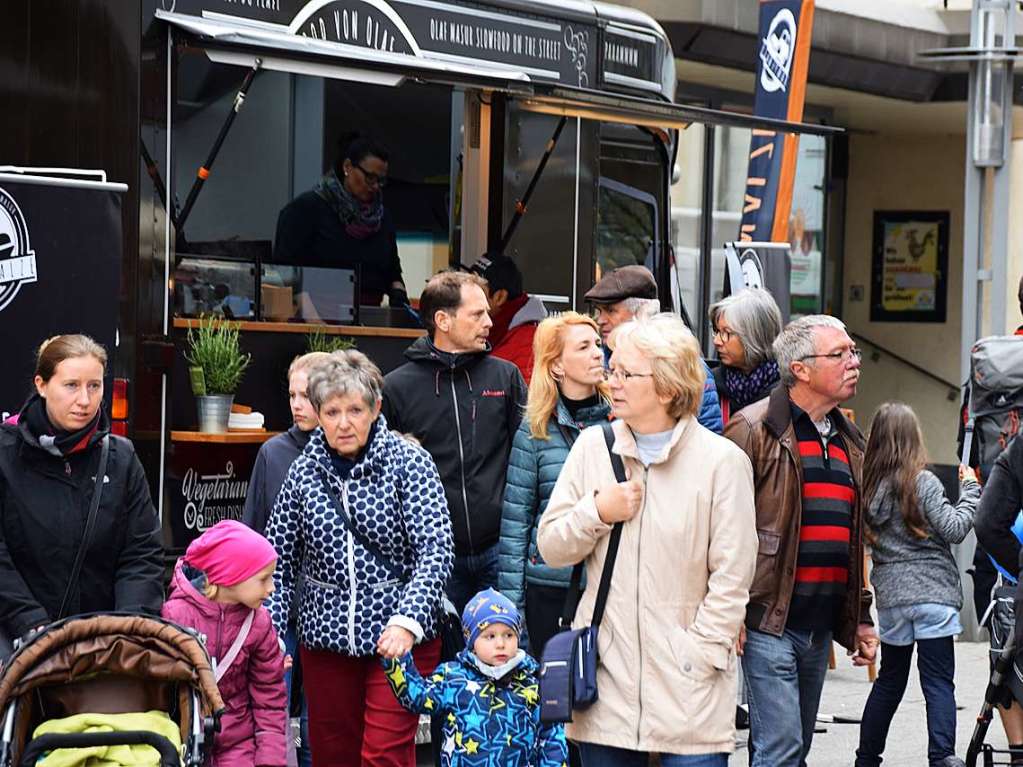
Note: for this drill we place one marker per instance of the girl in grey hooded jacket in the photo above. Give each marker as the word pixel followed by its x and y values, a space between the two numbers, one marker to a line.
pixel 911 527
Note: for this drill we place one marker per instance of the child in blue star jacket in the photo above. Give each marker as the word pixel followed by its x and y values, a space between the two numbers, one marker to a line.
pixel 489 697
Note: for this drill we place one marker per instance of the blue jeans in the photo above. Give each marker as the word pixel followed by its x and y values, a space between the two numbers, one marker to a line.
pixel 784 678
pixel 472 574
pixel 936 663
pixel 608 756
pixel 305 755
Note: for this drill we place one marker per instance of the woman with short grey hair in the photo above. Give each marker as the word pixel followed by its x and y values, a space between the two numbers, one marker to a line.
pixel 745 326
pixel 363 518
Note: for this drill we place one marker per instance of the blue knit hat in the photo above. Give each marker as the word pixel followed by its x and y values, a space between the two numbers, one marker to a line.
pixel 485 609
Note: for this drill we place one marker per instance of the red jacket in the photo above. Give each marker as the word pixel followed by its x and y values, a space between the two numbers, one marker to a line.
pixel 512 334
pixel 252 730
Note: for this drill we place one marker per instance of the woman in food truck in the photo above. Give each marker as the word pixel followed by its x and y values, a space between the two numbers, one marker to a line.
pixel 342 223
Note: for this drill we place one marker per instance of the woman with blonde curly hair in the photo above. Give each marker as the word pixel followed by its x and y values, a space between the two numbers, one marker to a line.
pixel 567 393
pixel 666 669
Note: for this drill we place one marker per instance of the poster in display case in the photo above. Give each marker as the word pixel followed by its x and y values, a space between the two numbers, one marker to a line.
pixel 909 269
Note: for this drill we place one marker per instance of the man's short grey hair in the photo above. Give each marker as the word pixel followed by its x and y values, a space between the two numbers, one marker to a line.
pixel 754 316
pixel 799 340
pixel 642 308
pixel 347 372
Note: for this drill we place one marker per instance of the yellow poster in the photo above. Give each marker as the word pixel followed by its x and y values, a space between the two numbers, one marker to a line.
pixel 912 270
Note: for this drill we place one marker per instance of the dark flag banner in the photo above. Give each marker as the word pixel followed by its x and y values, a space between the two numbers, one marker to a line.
pixel 783 56
pixel 60 266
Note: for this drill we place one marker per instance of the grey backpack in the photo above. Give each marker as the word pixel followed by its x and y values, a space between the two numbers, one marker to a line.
pixel 994 394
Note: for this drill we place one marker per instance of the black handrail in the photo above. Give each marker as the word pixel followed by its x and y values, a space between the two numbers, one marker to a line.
pixel 953 388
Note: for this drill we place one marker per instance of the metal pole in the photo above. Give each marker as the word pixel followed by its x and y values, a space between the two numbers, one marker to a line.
pixel 1001 191
pixel 973 240
pixel 973 243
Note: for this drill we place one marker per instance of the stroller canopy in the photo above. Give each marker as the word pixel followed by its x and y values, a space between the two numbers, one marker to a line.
pixel 124 645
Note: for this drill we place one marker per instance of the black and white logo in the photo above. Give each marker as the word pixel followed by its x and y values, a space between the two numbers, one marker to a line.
pixel 752 269
pixel 17 259
pixel 777 50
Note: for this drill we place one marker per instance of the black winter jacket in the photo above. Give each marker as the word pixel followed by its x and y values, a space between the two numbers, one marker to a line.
pixel 1000 506
pixel 44 502
pixel 272 463
pixel 464 409
pixel 309 233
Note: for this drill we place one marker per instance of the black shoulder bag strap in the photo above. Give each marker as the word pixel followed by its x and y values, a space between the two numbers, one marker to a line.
pixel 90 523
pixel 574 593
pixel 357 534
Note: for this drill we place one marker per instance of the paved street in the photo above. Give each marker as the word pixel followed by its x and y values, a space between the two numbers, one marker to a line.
pixel 846 691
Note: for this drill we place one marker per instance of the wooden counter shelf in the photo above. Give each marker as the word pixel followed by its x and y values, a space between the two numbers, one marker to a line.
pixel 230 438
pixel 309 327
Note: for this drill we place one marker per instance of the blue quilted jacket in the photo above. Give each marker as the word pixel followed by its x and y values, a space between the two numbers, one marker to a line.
pixel 533 469
pixel 396 499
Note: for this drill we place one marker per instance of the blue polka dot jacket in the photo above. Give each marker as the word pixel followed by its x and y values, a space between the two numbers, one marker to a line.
pixel 346 596
pixel 485 721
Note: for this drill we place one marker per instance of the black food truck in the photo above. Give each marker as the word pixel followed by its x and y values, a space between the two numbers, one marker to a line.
pixel 545 129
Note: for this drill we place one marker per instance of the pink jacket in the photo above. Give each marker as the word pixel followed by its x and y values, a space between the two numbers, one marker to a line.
pixel 252 730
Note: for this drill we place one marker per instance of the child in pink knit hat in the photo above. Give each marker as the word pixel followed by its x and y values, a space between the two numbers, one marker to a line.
pixel 218 589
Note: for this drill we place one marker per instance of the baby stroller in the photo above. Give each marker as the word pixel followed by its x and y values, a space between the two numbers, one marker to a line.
pixel 108 664
pixel 1005 684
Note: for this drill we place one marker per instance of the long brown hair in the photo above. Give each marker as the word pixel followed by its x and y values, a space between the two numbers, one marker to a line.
pixel 548 344
pixel 896 452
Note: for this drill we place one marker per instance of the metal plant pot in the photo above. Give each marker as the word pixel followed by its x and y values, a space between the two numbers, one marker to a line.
pixel 214 412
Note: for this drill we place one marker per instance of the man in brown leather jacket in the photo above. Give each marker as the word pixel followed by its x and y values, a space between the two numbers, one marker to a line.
pixel 807 465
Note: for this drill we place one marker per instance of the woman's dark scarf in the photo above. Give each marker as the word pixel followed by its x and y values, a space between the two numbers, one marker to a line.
pixel 359 219
pixel 746 388
pixel 56 441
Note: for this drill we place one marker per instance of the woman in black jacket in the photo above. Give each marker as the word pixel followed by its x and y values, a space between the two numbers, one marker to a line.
pixel 342 223
pixel 995 525
pixel 48 465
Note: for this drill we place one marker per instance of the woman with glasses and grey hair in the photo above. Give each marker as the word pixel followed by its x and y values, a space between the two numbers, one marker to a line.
pixel 363 518
pixel 745 325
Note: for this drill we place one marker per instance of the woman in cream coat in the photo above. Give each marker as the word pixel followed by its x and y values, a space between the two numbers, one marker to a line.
pixel 667 671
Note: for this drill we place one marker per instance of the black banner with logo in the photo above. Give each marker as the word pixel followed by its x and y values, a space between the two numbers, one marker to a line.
pixel 544 47
pixel 60 267
pixel 783 57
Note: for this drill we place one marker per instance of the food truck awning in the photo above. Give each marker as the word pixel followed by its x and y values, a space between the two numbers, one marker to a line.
pixel 620 108
pixel 231 40
pixel 236 42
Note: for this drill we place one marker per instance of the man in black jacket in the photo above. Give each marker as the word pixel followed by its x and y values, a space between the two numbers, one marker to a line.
pixel 464 406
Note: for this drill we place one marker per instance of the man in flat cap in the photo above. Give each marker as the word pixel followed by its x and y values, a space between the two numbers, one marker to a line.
pixel 629 292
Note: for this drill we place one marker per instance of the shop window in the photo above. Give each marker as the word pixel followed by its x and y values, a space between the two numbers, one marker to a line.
pixel 731 159
pixel 806 221
pixel 806 226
